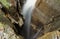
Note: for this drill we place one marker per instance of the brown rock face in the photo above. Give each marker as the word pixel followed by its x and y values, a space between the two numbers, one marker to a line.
pixel 47 13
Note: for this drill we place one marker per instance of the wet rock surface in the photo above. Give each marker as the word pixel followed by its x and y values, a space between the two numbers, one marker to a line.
pixel 45 15
pixel 47 12
pixel 6 28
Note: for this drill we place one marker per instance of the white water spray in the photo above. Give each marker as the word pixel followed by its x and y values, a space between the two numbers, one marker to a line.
pixel 27 12
pixel 29 5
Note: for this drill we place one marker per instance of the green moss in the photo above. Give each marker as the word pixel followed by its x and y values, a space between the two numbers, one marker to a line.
pixel 1 25
pixel 5 3
pixel 57 1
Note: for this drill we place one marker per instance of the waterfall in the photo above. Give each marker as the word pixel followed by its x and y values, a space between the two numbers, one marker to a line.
pixel 27 10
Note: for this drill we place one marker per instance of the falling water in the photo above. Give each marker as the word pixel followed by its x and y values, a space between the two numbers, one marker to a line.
pixel 27 12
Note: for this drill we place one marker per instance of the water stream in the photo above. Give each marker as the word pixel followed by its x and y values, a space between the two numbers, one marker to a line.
pixel 27 13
